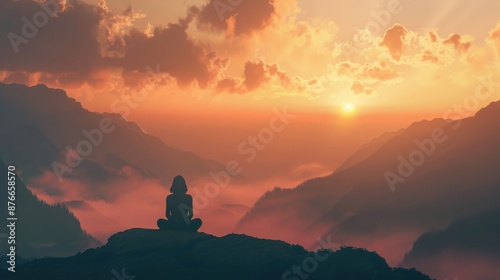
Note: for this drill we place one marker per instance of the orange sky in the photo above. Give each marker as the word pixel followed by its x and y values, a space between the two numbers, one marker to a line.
pixel 204 76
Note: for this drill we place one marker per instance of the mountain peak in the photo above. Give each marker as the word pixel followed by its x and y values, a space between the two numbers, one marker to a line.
pixel 62 121
pixel 36 90
pixel 490 111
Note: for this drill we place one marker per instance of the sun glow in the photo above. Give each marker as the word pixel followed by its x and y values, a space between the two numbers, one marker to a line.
pixel 348 108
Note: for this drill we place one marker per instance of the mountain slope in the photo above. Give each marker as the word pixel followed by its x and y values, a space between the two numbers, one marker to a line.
pixel 42 229
pixel 90 217
pixel 459 175
pixel 64 152
pixel 58 122
pixel 366 150
pixel 153 254
pixel 469 247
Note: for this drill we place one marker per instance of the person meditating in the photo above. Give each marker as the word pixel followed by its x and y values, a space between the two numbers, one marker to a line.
pixel 179 208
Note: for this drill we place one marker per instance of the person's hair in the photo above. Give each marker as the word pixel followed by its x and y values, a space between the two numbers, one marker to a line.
pixel 179 185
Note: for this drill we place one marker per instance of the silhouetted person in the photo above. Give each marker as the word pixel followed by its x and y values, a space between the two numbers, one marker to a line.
pixel 179 208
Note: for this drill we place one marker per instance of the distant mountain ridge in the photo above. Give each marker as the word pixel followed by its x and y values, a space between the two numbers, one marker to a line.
pixel 42 230
pixel 356 204
pixel 366 150
pixel 56 121
pixel 470 246
pixel 155 254
pixel 37 126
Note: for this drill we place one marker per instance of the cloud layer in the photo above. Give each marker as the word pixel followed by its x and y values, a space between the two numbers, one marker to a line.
pixel 260 47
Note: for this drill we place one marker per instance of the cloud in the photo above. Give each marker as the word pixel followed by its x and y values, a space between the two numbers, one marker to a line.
pixel 89 182
pixel 433 37
pixel 368 77
pixel 258 73
pixel 84 43
pixel 429 56
pixel 113 28
pixel 230 85
pixel 66 43
pixel 394 40
pixel 494 38
pixel 175 53
pixel 17 77
pixel 66 52
pixel 238 17
pixel 261 76
pixel 456 41
pixel 89 48
pixel 97 50
pixel 359 88
pixel 378 71
pixel 443 51
pixel 405 60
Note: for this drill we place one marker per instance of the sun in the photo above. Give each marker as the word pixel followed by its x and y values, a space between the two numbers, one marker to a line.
pixel 348 108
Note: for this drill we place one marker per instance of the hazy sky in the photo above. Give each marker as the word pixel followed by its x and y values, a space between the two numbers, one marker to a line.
pixel 209 77
pixel 450 16
pixel 213 73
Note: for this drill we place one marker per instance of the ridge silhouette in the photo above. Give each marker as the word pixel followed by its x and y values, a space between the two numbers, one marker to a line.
pixel 174 255
pixel 179 208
